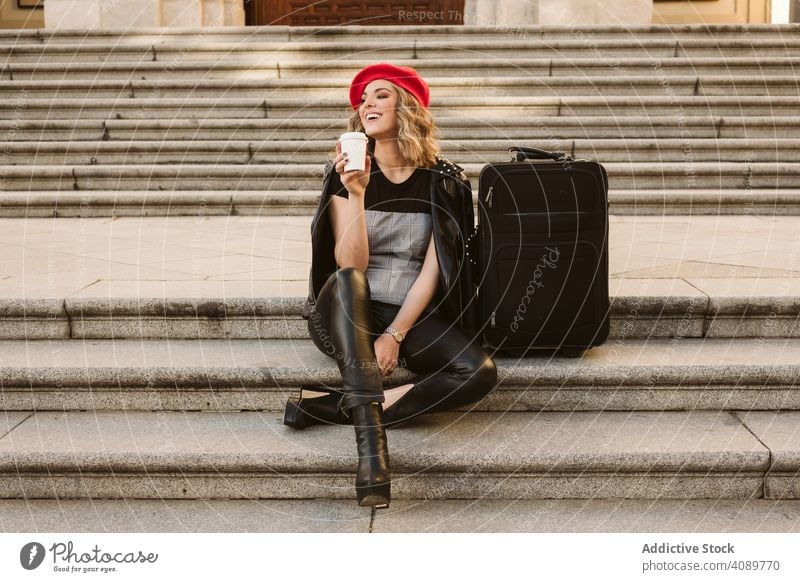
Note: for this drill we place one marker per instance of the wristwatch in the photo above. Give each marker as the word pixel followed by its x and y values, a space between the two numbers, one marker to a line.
pixel 398 337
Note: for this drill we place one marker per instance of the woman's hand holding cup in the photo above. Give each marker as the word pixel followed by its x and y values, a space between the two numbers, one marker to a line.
pixel 352 162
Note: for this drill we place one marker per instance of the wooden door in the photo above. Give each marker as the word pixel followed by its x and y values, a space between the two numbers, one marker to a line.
pixel 342 12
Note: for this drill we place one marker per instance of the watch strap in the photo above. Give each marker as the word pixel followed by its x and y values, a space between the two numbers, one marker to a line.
pixel 398 337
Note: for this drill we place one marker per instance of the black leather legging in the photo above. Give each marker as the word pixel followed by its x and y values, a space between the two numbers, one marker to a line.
pixel 452 370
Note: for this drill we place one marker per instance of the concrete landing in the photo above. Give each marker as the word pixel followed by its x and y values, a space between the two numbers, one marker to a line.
pixel 403 516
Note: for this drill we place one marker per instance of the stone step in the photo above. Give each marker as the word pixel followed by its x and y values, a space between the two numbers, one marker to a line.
pixel 232 375
pixel 549 516
pixel 112 304
pixel 133 203
pixel 525 110
pixel 256 176
pixel 451 128
pixel 276 151
pixel 476 31
pixel 700 202
pixel 251 455
pixel 442 88
pixel 273 66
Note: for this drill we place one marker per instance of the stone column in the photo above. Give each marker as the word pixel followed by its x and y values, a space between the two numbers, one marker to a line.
pixel 499 12
pixel 569 12
pixel 105 14
pixel 794 10
pixel 557 12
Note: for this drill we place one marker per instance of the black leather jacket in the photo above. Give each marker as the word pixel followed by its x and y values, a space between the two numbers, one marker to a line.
pixel 453 220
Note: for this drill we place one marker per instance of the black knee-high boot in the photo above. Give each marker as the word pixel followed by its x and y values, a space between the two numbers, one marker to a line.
pixel 372 477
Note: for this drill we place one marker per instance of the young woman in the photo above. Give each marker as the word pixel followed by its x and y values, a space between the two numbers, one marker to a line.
pixel 391 277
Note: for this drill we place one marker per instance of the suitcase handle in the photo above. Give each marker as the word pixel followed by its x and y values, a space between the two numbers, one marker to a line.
pixel 522 153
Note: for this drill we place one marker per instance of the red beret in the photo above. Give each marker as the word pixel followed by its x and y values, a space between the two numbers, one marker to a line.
pixel 404 77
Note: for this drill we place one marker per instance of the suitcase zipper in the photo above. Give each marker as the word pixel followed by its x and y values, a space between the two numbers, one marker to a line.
pixel 492 319
pixel 489 197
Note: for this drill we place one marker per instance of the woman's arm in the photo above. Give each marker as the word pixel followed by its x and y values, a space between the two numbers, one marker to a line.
pixel 350 232
pixel 351 247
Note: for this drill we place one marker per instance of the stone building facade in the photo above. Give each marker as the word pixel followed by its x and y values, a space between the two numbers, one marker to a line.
pixel 197 13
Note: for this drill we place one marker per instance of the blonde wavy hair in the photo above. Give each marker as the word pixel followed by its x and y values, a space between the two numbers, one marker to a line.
pixel 417 134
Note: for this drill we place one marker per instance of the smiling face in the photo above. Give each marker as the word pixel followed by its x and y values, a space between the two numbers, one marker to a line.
pixel 378 109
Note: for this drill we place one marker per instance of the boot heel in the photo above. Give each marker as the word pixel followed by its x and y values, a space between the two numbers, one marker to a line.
pixel 293 416
pixel 377 496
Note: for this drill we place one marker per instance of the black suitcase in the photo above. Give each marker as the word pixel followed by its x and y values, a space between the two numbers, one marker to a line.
pixel 543 253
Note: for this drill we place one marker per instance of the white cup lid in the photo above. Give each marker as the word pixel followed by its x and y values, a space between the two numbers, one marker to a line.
pixel 353 135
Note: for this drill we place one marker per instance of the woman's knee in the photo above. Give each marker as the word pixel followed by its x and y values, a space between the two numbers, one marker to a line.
pixel 350 276
pixel 352 286
pixel 478 377
pixel 346 277
pixel 484 378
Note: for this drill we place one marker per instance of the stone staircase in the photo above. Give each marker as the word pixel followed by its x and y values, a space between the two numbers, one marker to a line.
pixel 83 110
pixel 157 187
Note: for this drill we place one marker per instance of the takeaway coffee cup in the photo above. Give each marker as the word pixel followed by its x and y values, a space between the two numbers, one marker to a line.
pixel 354 144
